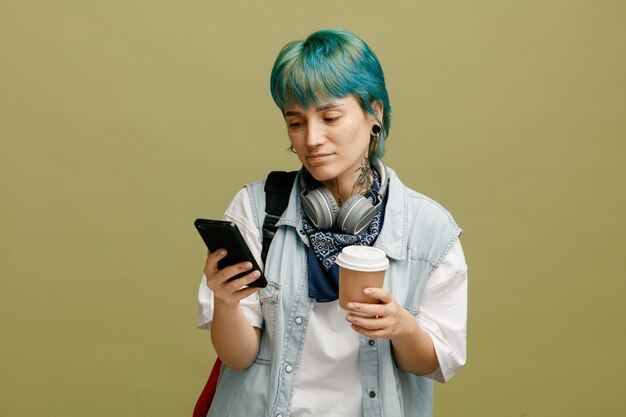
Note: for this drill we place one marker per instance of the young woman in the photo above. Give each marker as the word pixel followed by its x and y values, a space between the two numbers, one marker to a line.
pixel 287 349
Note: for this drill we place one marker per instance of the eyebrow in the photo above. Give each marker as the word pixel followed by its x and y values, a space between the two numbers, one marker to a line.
pixel 318 109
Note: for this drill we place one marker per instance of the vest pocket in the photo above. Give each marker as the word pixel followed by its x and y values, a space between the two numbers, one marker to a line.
pixel 269 297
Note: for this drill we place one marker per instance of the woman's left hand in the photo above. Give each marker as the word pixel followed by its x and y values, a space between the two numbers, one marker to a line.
pixel 388 320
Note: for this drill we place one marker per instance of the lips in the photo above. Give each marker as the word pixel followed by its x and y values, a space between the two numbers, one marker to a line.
pixel 317 158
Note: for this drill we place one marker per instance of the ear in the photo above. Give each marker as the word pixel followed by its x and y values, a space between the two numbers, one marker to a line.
pixel 378 109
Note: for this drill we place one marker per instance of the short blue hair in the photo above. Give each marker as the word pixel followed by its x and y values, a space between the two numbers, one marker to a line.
pixel 331 63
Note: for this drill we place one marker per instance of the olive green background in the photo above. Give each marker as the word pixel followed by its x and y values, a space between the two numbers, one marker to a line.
pixel 123 121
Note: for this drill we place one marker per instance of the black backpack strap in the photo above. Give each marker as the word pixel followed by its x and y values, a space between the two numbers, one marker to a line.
pixel 277 189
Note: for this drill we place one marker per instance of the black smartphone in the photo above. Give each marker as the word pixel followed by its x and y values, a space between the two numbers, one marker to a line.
pixel 219 234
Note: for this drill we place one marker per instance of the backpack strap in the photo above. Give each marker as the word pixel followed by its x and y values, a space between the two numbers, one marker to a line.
pixel 277 190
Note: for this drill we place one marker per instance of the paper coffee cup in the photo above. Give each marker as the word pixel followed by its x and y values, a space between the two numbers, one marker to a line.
pixel 360 267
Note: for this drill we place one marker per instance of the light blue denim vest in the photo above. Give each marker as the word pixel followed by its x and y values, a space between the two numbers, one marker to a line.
pixel 416 235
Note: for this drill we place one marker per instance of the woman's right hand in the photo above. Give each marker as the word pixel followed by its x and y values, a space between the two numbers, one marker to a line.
pixel 229 292
pixel 235 340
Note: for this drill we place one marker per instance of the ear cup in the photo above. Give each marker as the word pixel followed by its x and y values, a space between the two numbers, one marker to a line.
pixel 321 208
pixel 355 215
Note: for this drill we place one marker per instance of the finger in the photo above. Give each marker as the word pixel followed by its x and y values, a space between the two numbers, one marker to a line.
pixel 246 292
pixel 213 258
pixel 368 323
pixel 380 294
pixel 372 334
pixel 236 269
pixel 368 310
pixel 236 290
pixel 241 282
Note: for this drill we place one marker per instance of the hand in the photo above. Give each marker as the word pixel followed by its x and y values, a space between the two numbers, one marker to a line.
pixel 229 292
pixel 388 320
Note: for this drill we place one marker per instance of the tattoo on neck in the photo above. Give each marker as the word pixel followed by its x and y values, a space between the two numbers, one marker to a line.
pixel 365 180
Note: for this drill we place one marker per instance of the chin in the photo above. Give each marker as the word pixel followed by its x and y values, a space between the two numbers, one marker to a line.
pixel 321 173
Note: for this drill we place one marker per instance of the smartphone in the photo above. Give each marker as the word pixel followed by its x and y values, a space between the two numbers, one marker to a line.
pixel 219 234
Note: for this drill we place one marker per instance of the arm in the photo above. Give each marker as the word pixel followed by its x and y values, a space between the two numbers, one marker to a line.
pixel 235 340
pixel 234 320
pixel 412 346
pixel 413 350
pixel 442 318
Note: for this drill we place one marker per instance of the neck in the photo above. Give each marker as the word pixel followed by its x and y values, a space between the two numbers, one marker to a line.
pixel 352 183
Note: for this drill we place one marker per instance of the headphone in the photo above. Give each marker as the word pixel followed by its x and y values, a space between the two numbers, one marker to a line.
pixel 355 214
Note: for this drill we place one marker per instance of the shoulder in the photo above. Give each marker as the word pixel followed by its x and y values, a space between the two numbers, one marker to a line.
pixel 419 207
pixel 239 204
pixel 256 186
pixel 240 211
pixel 430 227
pixel 425 207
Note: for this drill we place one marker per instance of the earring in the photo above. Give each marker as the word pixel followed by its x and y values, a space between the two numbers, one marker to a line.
pixel 292 149
pixel 374 140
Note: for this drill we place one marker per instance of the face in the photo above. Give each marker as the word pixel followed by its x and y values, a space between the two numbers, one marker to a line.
pixel 331 140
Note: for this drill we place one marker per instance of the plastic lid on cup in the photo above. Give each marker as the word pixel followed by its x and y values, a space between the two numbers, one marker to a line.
pixel 363 258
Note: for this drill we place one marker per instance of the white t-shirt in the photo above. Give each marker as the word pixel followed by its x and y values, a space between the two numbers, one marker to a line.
pixel 331 347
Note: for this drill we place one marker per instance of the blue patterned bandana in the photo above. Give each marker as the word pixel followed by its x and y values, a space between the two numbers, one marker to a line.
pixel 326 245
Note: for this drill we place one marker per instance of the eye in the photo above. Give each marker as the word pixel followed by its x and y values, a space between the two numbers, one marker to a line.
pixel 294 122
pixel 332 117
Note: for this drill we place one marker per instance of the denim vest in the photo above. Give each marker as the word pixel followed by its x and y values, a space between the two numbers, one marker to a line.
pixel 416 236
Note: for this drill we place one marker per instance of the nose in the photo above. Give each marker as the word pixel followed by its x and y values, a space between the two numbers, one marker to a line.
pixel 315 134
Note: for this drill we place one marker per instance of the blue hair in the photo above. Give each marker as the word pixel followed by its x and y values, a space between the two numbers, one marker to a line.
pixel 331 63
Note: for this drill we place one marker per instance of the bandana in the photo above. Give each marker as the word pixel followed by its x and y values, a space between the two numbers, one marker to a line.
pixel 326 245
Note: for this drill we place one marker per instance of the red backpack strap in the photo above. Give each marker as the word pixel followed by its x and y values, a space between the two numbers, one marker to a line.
pixel 206 397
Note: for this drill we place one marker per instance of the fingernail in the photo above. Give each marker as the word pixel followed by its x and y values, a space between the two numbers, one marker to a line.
pixel 352 306
pixel 221 252
pixel 367 291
